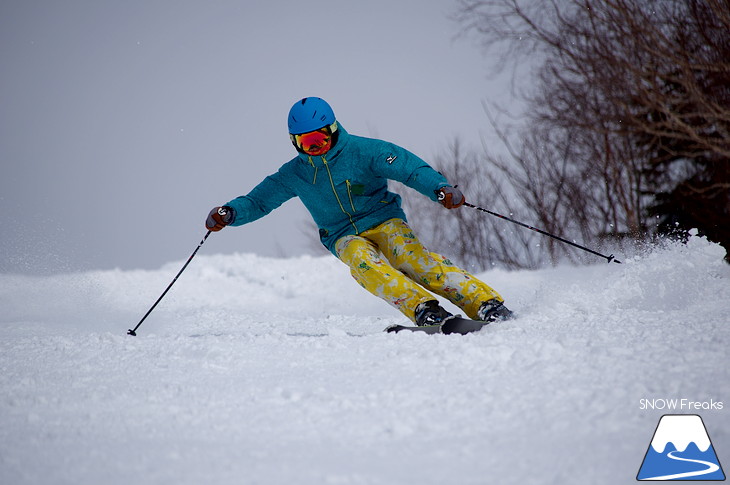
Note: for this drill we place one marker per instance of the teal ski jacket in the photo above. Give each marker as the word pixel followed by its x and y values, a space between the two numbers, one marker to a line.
pixel 345 190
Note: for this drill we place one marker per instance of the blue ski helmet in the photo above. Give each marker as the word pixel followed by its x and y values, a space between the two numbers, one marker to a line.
pixel 309 114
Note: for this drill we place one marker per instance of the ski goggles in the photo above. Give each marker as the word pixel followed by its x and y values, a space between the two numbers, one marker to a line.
pixel 316 142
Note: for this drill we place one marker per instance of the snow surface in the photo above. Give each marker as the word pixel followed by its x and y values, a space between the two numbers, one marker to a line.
pixel 268 371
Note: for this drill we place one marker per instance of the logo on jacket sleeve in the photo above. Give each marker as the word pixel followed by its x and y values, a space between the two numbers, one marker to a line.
pixel 391 158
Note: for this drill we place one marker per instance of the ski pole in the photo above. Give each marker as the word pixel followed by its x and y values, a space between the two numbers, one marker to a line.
pixel 608 258
pixel 133 331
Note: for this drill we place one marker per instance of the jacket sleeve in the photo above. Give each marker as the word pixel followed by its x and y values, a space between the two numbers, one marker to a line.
pixel 396 163
pixel 264 198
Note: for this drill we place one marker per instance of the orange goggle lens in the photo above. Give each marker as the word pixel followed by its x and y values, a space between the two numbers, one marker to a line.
pixel 315 142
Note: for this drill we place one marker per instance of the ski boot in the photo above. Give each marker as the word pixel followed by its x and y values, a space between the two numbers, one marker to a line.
pixel 494 310
pixel 431 313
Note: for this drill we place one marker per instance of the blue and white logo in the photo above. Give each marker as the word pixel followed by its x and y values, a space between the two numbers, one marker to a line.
pixel 680 450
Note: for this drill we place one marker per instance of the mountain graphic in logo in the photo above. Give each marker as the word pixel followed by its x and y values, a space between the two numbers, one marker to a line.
pixel 680 450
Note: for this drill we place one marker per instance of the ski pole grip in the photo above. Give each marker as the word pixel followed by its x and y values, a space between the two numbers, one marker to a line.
pixel 440 195
pixel 228 214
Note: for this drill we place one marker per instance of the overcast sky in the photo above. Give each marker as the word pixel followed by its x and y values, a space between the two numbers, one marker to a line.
pixel 123 122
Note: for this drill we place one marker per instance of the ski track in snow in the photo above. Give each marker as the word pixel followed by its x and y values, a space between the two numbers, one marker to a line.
pixel 266 371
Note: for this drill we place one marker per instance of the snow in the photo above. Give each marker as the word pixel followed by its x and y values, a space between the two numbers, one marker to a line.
pixel 271 371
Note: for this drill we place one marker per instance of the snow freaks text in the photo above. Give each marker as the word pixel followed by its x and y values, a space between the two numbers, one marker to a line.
pixel 679 404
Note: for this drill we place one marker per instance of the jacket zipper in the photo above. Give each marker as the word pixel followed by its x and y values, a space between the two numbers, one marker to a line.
pixel 349 194
pixel 311 162
pixel 342 208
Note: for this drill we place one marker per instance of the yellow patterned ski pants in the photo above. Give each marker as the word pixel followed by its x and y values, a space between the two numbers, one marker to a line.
pixel 390 262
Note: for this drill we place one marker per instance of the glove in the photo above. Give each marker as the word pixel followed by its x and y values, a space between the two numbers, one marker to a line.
pixel 219 218
pixel 450 197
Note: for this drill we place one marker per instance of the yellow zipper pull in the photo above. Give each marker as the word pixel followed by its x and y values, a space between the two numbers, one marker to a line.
pixel 349 194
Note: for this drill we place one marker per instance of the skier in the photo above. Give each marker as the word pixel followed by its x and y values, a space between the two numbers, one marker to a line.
pixel 342 181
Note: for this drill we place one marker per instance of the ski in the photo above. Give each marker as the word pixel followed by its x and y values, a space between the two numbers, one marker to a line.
pixel 452 325
pixel 430 329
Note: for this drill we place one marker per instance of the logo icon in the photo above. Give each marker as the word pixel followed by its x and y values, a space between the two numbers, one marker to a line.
pixel 680 450
pixel 391 159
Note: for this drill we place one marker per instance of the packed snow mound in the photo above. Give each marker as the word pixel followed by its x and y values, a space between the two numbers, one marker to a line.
pixel 678 277
pixel 259 370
